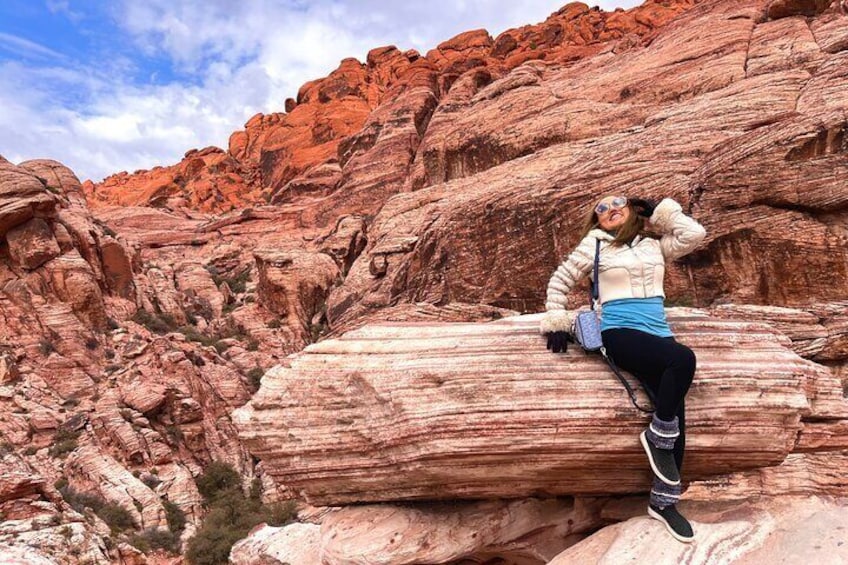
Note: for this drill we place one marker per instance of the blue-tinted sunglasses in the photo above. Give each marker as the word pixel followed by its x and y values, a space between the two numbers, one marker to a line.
pixel 618 202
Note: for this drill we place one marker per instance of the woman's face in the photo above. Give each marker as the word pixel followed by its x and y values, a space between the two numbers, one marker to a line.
pixel 614 214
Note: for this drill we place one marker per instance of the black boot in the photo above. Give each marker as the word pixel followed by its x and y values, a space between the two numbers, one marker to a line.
pixel 675 523
pixel 661 460
pixel 658 441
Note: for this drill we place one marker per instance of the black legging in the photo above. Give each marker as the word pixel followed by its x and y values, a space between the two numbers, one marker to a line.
pixel 662 365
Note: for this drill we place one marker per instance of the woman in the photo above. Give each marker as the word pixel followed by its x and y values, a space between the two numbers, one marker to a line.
pixel 633 324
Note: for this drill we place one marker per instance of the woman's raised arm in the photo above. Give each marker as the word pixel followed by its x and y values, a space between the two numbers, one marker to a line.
pixel 577 265
pixel 681 234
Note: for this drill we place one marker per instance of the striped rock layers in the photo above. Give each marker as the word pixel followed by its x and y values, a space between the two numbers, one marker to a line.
pixel 483 410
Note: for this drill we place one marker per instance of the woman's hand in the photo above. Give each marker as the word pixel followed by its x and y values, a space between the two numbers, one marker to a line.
pixel 558 341
pixel 643 207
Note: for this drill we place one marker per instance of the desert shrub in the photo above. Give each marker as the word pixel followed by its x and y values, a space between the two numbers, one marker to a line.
pixel 275 323
pixel 46 347
pixel 175 516
pixel 217 478
pixel 64 442
pixel 174 433
pixel 152 539
pixel 193 334
pixel 6 448
pixel 231 515
pixel 152 481
pixel 159 323
pixel 116 517
pixel 316 331
pixel 255 377
pixel 684 300
pixel 238 283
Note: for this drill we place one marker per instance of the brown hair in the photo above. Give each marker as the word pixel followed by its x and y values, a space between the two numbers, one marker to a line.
pixel 634 225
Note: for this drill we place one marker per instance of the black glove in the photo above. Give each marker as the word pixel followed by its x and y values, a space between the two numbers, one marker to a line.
pixel 644 208
pixel 558 341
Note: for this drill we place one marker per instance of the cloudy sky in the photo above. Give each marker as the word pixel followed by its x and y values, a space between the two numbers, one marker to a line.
pixel 105 86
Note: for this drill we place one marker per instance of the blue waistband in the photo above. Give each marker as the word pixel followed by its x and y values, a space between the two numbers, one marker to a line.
pixel 646 314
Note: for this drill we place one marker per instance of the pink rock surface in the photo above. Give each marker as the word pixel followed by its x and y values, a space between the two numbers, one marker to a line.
pixel 434 411
pixel 267 545
pixel 788 530
pixel 523 532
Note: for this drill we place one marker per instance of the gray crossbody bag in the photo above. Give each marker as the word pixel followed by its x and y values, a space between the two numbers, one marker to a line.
pixel 587 332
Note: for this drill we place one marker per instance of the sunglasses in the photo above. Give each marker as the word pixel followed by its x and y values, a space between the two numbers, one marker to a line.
pixel 617 203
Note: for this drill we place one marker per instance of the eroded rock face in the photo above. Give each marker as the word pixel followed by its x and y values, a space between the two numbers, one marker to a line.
pixel 90 400
pixel 767 530
pixel 294 284
pixel 433 412
pixel 267 545
pixel 746 137
pixel 528 531
pixel 23 197
pixel 358 129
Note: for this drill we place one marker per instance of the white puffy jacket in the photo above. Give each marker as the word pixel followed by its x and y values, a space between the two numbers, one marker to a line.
pixel 634 271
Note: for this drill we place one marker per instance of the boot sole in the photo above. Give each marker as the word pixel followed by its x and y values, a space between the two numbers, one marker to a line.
pixel 668 527
pixel 643 439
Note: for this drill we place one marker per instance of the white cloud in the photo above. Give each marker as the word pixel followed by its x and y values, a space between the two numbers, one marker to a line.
pixel 26 48
pixel 63 7
pixel 240 57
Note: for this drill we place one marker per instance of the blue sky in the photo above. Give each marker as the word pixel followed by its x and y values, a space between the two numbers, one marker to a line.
pixel 128 84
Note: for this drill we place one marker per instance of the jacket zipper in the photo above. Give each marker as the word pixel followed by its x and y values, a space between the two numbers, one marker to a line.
pixel 642 267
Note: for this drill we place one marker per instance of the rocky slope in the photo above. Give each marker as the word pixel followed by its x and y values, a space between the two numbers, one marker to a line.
pixel 352 136
pixel 441 188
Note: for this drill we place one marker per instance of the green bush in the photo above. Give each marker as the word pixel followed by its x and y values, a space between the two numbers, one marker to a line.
pixel 152 539
pixel 46 347
pixel 64 442
pixel 116 517
pixel 238 283
pixel 193 334
pixel 218 478
pixel 160 323
pixel 231 515
pixel 255 377
pixel 6 448
pixel 175 516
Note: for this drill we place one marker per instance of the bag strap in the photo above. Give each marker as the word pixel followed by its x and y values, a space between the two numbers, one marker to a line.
pixel 593 292
pixel 593 297
pixel 627 385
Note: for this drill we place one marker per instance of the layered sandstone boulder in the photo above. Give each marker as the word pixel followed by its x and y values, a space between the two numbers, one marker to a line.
pixel 435 411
